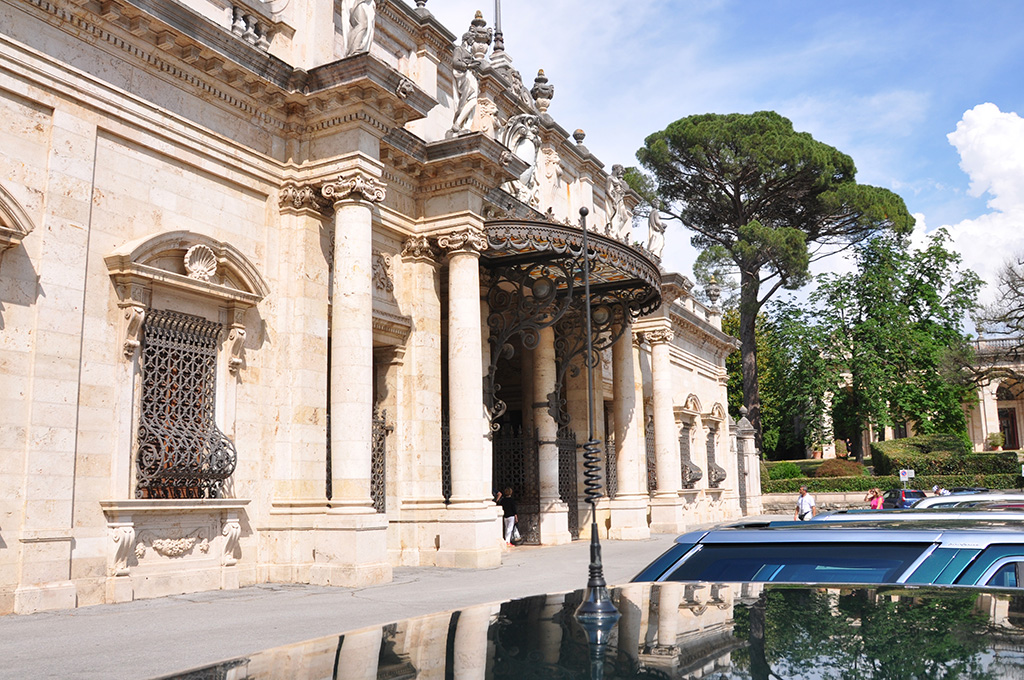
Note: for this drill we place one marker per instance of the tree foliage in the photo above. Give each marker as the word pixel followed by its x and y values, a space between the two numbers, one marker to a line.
pixel 875 341
pixel 860 633
pixel 772 197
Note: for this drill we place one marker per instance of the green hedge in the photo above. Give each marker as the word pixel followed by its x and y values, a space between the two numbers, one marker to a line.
pixel 884 454
pixel 943 463
pixel 827 484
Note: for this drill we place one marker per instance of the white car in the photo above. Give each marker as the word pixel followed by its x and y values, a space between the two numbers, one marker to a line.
pixel 967 500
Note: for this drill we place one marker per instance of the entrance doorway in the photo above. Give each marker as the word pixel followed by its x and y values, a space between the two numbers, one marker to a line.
pixel 1008 426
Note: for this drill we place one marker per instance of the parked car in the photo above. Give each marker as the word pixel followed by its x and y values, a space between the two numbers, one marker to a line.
pixel 964 500
pixel 901 498
pixel 981 552
pixel 983 512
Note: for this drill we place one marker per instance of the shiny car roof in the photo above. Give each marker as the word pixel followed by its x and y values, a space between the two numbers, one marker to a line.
pixel 963 533
pixel 961 498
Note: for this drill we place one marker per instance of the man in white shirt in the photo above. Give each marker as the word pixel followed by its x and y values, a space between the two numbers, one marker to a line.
pixel 805 508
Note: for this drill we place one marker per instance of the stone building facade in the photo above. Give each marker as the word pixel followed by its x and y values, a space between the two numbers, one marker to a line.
pixel 288 290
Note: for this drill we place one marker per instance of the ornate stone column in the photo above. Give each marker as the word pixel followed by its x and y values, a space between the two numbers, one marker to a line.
pixel 471 531
pixel 465 365
pixel 629 507
pixel 351 395
pixel 350 539
pixel 666 506
pixel 554 517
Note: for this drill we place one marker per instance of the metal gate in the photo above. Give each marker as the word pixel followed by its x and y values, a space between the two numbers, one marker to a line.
pixel 378 460
pixel 652 467
pixel 567 489
pixel 515 467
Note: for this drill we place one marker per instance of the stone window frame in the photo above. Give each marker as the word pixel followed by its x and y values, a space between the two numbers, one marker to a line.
pixel 15 224
pixel 221 284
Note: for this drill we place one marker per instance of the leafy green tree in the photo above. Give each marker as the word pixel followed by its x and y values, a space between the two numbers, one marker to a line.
pixel 875 342
pixel 772 197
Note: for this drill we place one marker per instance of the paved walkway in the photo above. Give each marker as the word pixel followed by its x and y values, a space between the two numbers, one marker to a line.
pixel 154 637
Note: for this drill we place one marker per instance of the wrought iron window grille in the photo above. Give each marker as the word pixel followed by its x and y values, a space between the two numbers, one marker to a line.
pixel 181 453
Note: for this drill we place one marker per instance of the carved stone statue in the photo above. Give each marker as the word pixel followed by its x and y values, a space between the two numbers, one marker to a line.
pixel 620 218
pixel 523 139
pixel 487 120
pixel 467 87
pixel 519 90
pixel 550 174
pixel 358 16
pixel 655 231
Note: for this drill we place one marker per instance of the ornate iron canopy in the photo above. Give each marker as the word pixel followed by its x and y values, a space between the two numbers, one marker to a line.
pixel 537 281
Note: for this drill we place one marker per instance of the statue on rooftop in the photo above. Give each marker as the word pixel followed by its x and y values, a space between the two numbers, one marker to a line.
pixel 361 15
pixel 522 138
pixel 655 231
pixel 467 87
pixel 620 218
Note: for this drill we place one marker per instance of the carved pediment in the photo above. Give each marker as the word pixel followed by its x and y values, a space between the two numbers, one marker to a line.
pixel 15 223
pixel 190 262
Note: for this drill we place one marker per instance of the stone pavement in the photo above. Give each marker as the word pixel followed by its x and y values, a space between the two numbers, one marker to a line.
pixel 154 637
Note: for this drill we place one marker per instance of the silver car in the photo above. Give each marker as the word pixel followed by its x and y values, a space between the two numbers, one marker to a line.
pixel 966 500
pixel 976 552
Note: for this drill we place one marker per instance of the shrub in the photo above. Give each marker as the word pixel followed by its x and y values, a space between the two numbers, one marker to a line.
pixel 938 455
pixel 827 484
pixel 764 474
pixel 841 450
pixel 784 470
pixel 838 467
pixel 996 440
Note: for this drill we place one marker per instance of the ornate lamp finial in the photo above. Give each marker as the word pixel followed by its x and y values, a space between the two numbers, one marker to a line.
pixel 542 92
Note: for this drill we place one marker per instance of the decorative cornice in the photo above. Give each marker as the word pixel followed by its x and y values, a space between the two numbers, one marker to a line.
pixel 690 321
pixel 353 187
pixel 463 241
pixel 228 65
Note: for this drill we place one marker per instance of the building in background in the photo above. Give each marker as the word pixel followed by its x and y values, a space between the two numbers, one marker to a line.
pixel 289 290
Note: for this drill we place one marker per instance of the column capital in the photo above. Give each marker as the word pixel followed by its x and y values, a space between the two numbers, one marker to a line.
pixel 659 335
pixel 419 248
pixel 354 186
pixel 463 241
pixel 295 196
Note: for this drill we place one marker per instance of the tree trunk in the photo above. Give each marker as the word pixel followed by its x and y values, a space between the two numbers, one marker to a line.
pixel 749 289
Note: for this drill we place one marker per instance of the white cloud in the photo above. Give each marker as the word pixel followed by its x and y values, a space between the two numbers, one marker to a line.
pixel 991 147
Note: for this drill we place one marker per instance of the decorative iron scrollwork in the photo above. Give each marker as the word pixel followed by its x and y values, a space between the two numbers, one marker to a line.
pixel 524 299
pixel 526 257
pixel 181 452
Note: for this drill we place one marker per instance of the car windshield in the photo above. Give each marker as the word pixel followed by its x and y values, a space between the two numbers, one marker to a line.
pixel 799 562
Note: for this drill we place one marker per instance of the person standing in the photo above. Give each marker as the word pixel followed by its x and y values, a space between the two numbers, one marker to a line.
pixel 875 498
pixel 509 513
pixel 805 507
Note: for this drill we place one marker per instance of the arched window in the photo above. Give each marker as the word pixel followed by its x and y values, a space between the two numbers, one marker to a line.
pixel 183 294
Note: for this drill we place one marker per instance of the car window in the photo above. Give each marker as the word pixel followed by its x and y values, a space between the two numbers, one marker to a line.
pixel 914 494
pixel 799 563
pixel 993 556
pixel 655 569
pixel 1005 576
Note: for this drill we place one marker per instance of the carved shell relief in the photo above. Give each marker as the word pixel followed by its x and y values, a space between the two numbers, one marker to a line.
pixel 200 262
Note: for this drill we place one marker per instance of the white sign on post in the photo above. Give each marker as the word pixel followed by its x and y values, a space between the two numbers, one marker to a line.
pixel 905 475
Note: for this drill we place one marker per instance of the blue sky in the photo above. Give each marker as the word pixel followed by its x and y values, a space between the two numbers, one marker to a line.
pixel 885 82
